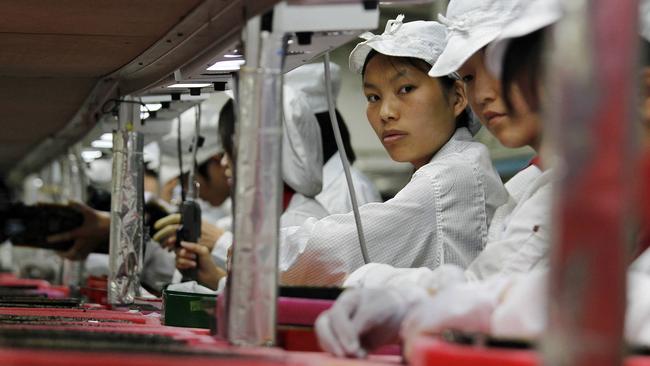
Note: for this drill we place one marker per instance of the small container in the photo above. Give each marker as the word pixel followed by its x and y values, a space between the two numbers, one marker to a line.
pixel 191 310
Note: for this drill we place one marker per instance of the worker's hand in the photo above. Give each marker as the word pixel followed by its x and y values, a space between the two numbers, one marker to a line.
pixel 167 227
pixel 363 319
pixel 191 254
pixel 466 307
pixel 91 235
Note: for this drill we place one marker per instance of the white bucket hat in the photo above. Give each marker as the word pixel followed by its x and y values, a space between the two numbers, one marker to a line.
pixel 420 39
pixel 471 25
pixel 644 19
pixel 310 80
pixel 302 152
pixel 532 16
pixel 209 127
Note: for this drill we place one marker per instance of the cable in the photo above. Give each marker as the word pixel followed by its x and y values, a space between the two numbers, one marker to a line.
pixel 344 160
pixel 191 190
pixel 179 150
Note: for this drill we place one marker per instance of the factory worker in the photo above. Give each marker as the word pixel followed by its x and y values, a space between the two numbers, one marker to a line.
pixel 213 191
pixel 519 236
pixel 334 197
pixel 442 215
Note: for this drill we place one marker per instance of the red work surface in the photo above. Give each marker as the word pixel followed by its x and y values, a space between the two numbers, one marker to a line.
pixel 431 351
pixel 126 317
pixel 297 311
pixel 230 356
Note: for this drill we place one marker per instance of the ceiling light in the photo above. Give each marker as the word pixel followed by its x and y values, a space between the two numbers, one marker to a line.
pixel 90 155
pixel 102 144
pixel 189 85
pixel 229 65
pixel 150 107
pixel 106 136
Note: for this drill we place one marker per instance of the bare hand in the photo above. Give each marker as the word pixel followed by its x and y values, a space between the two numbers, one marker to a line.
pixel 168 226
pixel 209 273
pixel 88 237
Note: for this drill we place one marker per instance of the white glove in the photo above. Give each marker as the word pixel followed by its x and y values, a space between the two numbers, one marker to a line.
pixel 522 311
pixel 365 318
pixel 384 275
pixel 465 306
pixel 637 316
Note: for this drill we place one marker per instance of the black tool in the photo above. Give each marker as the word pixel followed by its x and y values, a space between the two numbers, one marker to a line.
pixel 190 229
pixel 31 225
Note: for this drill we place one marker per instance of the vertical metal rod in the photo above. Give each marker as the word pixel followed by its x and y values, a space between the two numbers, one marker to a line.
pixel 592 91
pixel 344 160
pixel 127 196
pixel 252 291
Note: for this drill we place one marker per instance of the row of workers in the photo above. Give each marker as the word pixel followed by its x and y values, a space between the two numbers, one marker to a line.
pixel 497 48
pixel 454 229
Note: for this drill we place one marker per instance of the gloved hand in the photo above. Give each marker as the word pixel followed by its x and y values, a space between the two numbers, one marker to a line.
pixel 465 307
pixel 365 318
pixel 209 273
pixel 166 232
pixel 384 275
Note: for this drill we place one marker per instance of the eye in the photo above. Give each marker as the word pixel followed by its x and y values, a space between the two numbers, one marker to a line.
pixel 468 78
pixel 406 89
pixel 371 98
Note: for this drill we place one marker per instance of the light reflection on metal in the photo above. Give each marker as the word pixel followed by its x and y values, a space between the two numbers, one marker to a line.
pixel 252 287
pixel 127 195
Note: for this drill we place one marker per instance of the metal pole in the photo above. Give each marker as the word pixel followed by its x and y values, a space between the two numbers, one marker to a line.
pixel 127 196
pixel 252 287
pixel 592 76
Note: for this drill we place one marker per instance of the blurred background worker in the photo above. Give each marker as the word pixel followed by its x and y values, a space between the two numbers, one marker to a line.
pixel 334 197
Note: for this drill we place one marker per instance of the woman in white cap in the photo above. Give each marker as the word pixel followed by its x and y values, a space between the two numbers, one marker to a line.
pixel 442 215
pixel 519 235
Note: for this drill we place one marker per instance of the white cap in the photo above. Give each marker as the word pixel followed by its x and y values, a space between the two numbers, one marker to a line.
pixel 209 129
pixel 420 39
pixel 644 21
pixel 302 151
pixel 302 145
pixel 151 155
pixel 471 25
pixel 533 15
pixel 310 80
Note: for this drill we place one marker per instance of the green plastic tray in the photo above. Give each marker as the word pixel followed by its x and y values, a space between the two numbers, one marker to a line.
pixel 185 309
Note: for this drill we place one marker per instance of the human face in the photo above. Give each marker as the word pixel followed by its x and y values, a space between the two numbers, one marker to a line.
pixel 518 128
pixel 408 110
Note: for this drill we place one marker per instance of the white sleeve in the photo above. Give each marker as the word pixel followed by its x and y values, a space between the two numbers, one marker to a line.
pixel 159 266
pixel 524 244
pixel 399 232
pixel 220 249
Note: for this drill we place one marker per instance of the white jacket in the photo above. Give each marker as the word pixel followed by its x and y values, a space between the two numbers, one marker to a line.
pixel 519 239
pixel 335 196
pixel 333 199
pixel 441 216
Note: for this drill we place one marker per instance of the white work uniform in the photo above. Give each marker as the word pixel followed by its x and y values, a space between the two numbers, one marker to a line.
pixel 441 216
pixel 335 196
pixel 518 239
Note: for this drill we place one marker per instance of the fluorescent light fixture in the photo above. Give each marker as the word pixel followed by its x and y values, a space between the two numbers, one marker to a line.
pixel 106 136
pixel 232 55
pixel 229 65
pixel 90 155
pixel 150 107
pixel 189 85
pixel 144 115
pixel 102 144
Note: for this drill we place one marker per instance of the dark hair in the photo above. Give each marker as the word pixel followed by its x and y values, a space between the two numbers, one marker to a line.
pixel 522 64
pixel 446 83
pixel 327 136
pixel 227 127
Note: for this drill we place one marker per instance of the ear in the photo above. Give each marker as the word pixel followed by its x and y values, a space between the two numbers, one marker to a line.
pixel 459 98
